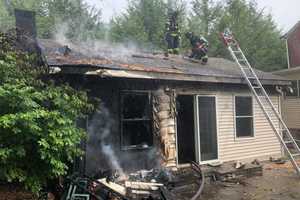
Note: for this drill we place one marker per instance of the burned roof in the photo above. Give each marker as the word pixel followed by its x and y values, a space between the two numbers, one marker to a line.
pixel 130 64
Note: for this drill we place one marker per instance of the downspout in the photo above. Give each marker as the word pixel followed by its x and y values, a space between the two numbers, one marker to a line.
pixel 287 52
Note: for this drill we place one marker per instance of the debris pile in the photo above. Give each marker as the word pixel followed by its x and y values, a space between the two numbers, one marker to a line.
pixel 155 184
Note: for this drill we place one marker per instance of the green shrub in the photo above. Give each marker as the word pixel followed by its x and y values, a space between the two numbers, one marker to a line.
pixel 38 132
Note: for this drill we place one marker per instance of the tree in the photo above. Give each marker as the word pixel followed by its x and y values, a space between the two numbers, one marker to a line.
pixel 38 132
pixel 257 33
pixel 205 14
pixel 255 30
pixel 74 18
pixel 144 22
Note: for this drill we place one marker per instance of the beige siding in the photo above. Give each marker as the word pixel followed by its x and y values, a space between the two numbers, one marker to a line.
pixel 263 144
pixel 291 112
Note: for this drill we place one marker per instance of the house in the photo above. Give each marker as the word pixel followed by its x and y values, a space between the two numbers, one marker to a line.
pixel 157 111
pixel 291 101
pixel 167 111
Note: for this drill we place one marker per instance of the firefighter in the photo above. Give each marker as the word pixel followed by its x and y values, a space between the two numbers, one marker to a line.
pixel 199 47
pixel 173 34
pixel 228 38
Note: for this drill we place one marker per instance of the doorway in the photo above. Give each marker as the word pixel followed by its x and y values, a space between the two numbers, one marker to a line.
pixel 207 128
pixel 186 151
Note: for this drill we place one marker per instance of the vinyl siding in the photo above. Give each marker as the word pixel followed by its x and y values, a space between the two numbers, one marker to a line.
pixel 291 112
pixel 263 144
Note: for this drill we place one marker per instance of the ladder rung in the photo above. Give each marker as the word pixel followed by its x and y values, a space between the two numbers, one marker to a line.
pixel 282 130
pixel 296 154
pixel 289 141
pixel 236 51
pixel 260 96
pixel 256 87
pixel 246 68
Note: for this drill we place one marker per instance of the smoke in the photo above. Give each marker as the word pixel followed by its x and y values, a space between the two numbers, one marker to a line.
pixel 92 47
pixel 109 152
pixel 8 6
pixel 99 129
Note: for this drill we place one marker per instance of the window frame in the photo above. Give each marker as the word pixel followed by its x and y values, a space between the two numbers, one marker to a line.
pixel 244 116
pixel 122 120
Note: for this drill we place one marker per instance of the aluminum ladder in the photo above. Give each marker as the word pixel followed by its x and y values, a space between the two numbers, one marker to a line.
pixel 278 125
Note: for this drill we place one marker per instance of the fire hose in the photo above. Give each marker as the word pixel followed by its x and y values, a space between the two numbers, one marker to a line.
pixel 197 168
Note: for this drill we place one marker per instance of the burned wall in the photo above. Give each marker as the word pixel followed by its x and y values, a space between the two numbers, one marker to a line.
pixel 104 147
pixel 164 111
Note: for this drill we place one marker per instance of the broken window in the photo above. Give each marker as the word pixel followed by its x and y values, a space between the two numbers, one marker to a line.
pixel 136 120
pixel 243 116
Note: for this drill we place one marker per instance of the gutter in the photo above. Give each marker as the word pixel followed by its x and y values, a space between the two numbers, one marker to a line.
pixel 137 74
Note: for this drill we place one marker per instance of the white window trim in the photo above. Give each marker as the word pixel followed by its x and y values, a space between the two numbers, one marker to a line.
pixel 197 129
pixel 236 138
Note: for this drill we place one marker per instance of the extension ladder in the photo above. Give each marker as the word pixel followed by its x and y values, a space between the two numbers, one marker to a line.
pixel 282 132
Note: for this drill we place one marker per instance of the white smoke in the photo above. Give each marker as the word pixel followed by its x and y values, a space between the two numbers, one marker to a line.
pixel 109 152
pixel 92 47
pixel 99 131
pixel 106 148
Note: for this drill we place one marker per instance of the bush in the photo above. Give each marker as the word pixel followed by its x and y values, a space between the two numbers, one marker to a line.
pixel 38 132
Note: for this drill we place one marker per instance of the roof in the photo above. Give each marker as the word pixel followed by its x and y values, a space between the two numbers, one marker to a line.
pixel 295 71
pixel 291 30
pixel 109 62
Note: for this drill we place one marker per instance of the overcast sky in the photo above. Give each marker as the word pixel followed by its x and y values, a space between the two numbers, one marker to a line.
pixel 286 12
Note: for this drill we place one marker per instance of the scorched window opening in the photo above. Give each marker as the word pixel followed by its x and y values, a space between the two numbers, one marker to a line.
pixel 136 120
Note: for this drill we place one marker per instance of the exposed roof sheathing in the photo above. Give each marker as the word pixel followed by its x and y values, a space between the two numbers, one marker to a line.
pixel 148 66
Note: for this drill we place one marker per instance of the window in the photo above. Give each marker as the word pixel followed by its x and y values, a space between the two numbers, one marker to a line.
pixel 243 116
pixel 136 120
pixel 295 89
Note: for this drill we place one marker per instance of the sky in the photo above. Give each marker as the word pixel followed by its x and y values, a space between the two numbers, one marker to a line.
pixel 286 13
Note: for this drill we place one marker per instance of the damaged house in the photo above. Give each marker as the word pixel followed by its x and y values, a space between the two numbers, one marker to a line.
pixel 168 111
pixel 157 111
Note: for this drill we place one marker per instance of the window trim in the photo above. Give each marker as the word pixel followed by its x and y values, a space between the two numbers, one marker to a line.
pixel 236 137
pixel 121 120
pixel 197 128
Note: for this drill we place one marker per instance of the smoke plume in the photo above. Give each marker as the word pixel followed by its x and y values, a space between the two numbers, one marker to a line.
pixel 99 129
pixel 92 47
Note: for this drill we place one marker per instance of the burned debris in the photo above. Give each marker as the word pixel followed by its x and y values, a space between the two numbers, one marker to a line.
pixel 155 184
